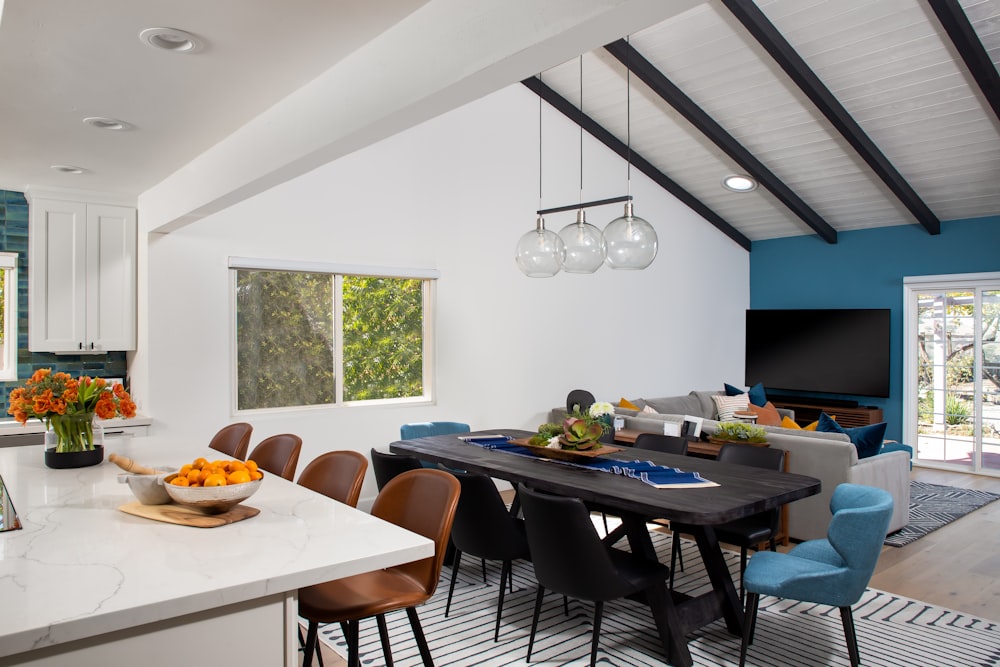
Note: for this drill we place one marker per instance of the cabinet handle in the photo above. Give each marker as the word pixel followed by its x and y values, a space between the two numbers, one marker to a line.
pixel 91 346
pixel 80 346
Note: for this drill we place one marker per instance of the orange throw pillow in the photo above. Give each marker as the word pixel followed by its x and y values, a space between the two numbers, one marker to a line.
pixel 767 415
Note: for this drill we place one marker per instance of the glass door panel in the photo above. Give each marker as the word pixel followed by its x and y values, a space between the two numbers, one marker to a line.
pixel 989 403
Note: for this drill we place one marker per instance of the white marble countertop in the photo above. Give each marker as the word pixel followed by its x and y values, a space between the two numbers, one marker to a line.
pixel 79 567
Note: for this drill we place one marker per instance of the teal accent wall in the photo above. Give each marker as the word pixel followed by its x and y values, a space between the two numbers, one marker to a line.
pixel 14 238
pixel 865 269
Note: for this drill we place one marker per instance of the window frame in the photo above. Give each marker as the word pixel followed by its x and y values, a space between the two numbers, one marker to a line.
pixel 338 271
pixel 8 267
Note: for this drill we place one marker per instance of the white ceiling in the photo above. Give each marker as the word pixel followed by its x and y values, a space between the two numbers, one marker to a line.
pixel 888 62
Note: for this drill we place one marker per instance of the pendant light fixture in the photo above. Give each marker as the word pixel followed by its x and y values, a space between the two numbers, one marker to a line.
pixel 631 241
pixel 585 249
pixel 540 253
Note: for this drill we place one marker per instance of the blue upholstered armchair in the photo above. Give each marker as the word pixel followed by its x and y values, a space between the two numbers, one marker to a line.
pixel 427 429
pixel 834 571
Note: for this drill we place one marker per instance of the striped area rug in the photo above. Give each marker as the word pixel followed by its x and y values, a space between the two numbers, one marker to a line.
pixel 933 506
pixel 892 631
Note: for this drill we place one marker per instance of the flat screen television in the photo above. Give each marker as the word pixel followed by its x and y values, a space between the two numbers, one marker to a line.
pixel 834 351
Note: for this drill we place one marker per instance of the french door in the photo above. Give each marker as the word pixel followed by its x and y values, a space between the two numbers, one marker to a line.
pixel 952 371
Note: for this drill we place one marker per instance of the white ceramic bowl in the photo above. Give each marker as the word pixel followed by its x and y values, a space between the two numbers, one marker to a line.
pixel 210 499
pixel 148 489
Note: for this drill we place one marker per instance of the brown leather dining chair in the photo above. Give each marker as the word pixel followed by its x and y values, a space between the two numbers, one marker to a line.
pixel 338 475
pixel 422 501
pixel 233 440
pixel 278 454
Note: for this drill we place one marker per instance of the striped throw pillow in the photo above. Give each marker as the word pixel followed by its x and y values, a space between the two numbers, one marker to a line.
pixel 727 405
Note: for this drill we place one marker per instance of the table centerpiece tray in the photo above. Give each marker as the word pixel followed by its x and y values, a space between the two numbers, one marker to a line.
pixel 188 516
pixel 571 455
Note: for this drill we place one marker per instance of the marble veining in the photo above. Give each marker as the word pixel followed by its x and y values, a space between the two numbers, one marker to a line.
pixel 79 567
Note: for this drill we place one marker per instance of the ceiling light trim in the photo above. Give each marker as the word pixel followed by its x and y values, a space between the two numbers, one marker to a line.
pixel 740 183
pixel 171 40
pixel 68 169
pixel 107 123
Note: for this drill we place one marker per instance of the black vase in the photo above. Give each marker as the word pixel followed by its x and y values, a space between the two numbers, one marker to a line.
pixel 82 459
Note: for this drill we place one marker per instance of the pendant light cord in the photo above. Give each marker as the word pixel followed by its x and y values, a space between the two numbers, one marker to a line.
pixel 539 145
pixel 628 118
pixel 581 128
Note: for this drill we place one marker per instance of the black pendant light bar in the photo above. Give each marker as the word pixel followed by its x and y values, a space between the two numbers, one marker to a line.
pixel 977 59
pixel 586 204
pixel 758 25
pixel 567 108
pixel 695 115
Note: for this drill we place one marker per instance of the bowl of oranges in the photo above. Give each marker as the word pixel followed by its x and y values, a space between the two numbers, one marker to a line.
pixel 213 487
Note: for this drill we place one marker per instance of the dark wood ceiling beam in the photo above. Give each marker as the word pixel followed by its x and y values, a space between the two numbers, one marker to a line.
pixel 754 20
pixel 956 23
pixel 589 125
pixel 695 115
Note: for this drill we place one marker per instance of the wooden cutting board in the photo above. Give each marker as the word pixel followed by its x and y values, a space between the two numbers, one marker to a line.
pixel 186 516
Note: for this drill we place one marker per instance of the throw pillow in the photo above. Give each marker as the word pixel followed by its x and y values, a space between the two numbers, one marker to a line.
pixel 867 439
pixel 625 403
pixel 788 422
pixel 727 405
pixel 767 415
pixel 649 411
pixel 756 393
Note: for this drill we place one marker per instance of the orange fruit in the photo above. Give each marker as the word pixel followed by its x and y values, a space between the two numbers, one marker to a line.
pixel 199 463
pixel 180 481
pixel 238 477
pixel 255 475
pixel 193 476
pixel 215 479
pixel 185 469
pixel 236 465
pixel 251 465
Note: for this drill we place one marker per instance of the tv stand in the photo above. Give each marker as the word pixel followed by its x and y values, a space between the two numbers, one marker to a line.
pixel 807 411
pixel 810 400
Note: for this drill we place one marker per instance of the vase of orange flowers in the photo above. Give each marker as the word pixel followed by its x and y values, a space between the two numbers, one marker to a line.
pixel 67 407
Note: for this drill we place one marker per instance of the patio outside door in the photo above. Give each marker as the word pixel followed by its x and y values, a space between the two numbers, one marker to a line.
pixel 952 374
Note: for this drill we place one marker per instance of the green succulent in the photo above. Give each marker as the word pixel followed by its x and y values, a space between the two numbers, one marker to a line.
pixel 741 432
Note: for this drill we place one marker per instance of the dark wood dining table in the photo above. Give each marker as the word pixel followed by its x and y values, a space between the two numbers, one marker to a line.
pixel 741 491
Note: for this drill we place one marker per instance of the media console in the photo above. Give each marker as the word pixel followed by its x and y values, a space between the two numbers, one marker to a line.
pixel 807 411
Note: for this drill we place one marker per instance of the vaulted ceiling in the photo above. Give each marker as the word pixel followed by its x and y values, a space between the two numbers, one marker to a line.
pixel 851 114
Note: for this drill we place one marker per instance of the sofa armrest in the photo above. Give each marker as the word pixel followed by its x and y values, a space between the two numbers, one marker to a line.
pixel 786 412
pixel 889 471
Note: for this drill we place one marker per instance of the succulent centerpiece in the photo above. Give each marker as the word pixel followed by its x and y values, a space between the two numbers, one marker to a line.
pixel 581 430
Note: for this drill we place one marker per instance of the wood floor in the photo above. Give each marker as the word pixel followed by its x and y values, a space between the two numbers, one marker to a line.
pixel 957 566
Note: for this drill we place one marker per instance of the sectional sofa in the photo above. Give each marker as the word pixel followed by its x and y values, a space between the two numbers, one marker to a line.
pixel 830 457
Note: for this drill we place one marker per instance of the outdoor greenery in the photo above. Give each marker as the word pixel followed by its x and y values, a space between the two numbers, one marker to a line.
pixel 286 340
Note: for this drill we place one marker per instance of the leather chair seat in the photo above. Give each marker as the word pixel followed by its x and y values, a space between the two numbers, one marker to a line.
pixel 360 596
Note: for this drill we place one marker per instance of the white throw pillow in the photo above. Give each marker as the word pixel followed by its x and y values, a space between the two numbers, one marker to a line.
pixel 646 410
pixel 727 405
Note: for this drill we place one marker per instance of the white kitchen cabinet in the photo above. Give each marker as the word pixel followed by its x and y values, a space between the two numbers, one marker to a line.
pixel 81 277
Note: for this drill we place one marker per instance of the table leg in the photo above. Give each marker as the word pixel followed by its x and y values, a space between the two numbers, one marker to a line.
pixel 722 582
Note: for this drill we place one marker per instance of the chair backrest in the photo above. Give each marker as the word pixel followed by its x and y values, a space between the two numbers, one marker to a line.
pixel 233 440
pixel 387 465
pixel 566 551
pixel 425 429
pixel 670 444
pixel 861 516
pixel 422 501
pixel 278 454
pixel 483 526
pixel 579 400
pixel 771 458
pixel 338 475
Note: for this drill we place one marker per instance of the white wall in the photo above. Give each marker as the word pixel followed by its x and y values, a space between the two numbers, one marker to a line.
pixel 454 194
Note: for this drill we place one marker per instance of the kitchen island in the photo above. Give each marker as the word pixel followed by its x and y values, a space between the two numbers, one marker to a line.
pixel 84 583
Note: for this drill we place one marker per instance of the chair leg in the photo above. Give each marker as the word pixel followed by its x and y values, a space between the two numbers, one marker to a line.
pixel 598 612
pixel 743 568
pixel 749 620
pixel 605 518
pixel 484 570
pixel 310 643
pixel 534 620
pixel 852 638
pixel 454 575
pixel 383 635
pixel 418 634
pixel 675 551
pixel 504 575
pixel 353 648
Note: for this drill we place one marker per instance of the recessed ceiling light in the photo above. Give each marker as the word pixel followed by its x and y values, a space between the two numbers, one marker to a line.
pixel 104 123
pixel 739 183
pixel 171 39
pixel 68 169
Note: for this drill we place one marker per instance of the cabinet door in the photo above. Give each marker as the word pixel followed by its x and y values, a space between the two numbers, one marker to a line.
pixel 57 276
pixel 111 278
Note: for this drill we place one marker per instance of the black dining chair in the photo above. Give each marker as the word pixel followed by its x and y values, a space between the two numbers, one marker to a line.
pixel 485 528
pixel 569 558
pixel 387 465
pixel 669 444
pixel 749 531
pixel 579 400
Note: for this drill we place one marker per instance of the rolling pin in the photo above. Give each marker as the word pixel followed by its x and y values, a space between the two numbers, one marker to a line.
pixel 128 465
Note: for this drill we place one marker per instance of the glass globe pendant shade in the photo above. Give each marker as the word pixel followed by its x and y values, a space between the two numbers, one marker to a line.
pixel 540 253
pixel 585 248
pixel 631 241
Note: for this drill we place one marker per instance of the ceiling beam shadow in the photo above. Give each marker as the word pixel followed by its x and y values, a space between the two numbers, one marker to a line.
pixel 758 25
pixel 675 97
pixel 569 110
pixel 956 23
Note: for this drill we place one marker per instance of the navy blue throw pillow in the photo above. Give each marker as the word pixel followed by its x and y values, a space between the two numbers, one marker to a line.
pixel 867 439
pixel 756 394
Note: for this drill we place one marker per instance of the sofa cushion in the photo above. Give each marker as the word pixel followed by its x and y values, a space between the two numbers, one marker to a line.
pixel 755 393
pixel 767 415
pixel 628 405
pixel 675 405
pixel 868 439
pixel 727 405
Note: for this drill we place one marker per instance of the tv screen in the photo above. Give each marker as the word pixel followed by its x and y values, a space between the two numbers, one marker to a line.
pixel 833 351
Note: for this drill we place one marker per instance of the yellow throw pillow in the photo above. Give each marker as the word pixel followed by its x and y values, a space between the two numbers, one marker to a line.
pixel 787 422
pixel 627 404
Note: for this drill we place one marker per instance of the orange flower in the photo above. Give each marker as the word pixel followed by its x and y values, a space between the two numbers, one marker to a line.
pixel 127 407
pixel 105 408
pixel 40 375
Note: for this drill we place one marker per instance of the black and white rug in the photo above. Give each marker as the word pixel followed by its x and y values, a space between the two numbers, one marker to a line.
pixel 892 631
pixel 933 506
